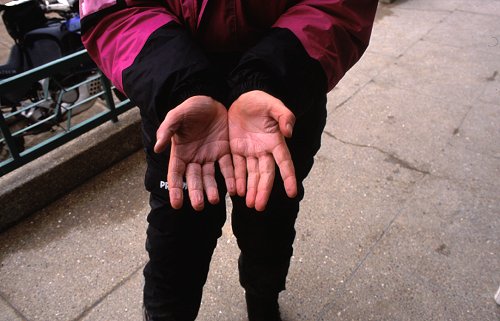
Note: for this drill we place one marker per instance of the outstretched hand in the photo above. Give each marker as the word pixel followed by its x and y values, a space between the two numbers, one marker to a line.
pixel 258 124
pixel 197 130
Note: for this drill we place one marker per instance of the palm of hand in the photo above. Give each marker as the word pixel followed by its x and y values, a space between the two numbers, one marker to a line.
pixel 202 136
pixel 254 136
pixel 197 130
pixel 257 143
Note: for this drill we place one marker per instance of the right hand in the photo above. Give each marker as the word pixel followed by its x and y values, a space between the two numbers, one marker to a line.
pixel 197 132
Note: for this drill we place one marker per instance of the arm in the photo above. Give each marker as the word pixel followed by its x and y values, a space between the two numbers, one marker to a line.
pixel 130 40
pixel 335 33
pixel 310 47
pixel 147 53
pixel 308 50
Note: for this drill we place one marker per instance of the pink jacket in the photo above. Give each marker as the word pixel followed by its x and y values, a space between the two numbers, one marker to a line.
pixel 333 32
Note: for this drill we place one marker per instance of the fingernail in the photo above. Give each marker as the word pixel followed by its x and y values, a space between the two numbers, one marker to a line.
pixel 231 187
pixel 156 146
pixel 176 194
pixel 289 127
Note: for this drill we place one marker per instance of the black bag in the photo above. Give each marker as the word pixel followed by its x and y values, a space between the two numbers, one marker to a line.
pixel 22 17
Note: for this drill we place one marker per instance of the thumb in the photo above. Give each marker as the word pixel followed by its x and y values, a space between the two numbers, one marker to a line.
pixel 167 129
pixel 285 119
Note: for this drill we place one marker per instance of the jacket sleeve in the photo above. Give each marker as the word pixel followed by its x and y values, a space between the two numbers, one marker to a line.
pixel 309 49
pixel 143 48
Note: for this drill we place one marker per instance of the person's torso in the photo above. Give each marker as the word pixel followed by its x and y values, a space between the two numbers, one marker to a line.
pixel 228 26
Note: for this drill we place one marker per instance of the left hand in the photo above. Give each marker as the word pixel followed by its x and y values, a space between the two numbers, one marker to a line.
pixel 258 125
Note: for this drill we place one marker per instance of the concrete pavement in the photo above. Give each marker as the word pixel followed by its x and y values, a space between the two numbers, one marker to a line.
pixel 401 219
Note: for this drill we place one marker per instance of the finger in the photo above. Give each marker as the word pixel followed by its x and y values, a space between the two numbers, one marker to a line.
pixel 284 117
pixel 167 129
pixel 252 181
pixel 176 170
pixel 195 185
pixel 284 161
pixel 240 174
pixel 226 167
pixel 266 179
pixel 209 183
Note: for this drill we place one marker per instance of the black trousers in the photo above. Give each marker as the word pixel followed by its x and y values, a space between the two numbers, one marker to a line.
pixel 181 242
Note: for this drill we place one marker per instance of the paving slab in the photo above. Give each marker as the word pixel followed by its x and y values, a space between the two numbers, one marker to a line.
pixel 438 261
pixel 472 169
pixel 352 195
pixel 7 313
pixel 490 7
pixel 453 233
pixel 367 68
pixel 480 32
pixel 396 30
pixel 387 293
pixel 457 75
pixel 471 155
pixel 484 139
pixel 433 5
pixel 392 121
pixel 491 93
pixel 124 304
pixel 72 253
pixel 223 297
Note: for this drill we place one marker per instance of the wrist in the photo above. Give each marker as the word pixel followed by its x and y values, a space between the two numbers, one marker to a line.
pixel 250 79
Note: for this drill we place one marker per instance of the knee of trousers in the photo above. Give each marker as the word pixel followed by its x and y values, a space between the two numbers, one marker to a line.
pixel 266 235
pixel 180 244
pixel 266 243
pixel 182 235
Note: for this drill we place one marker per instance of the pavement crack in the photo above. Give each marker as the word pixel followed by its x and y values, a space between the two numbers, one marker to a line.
pixel 10 305
pixel 456 131
pixel 352 95
pixel 333 302
pixel 392 158
pixel 109 292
